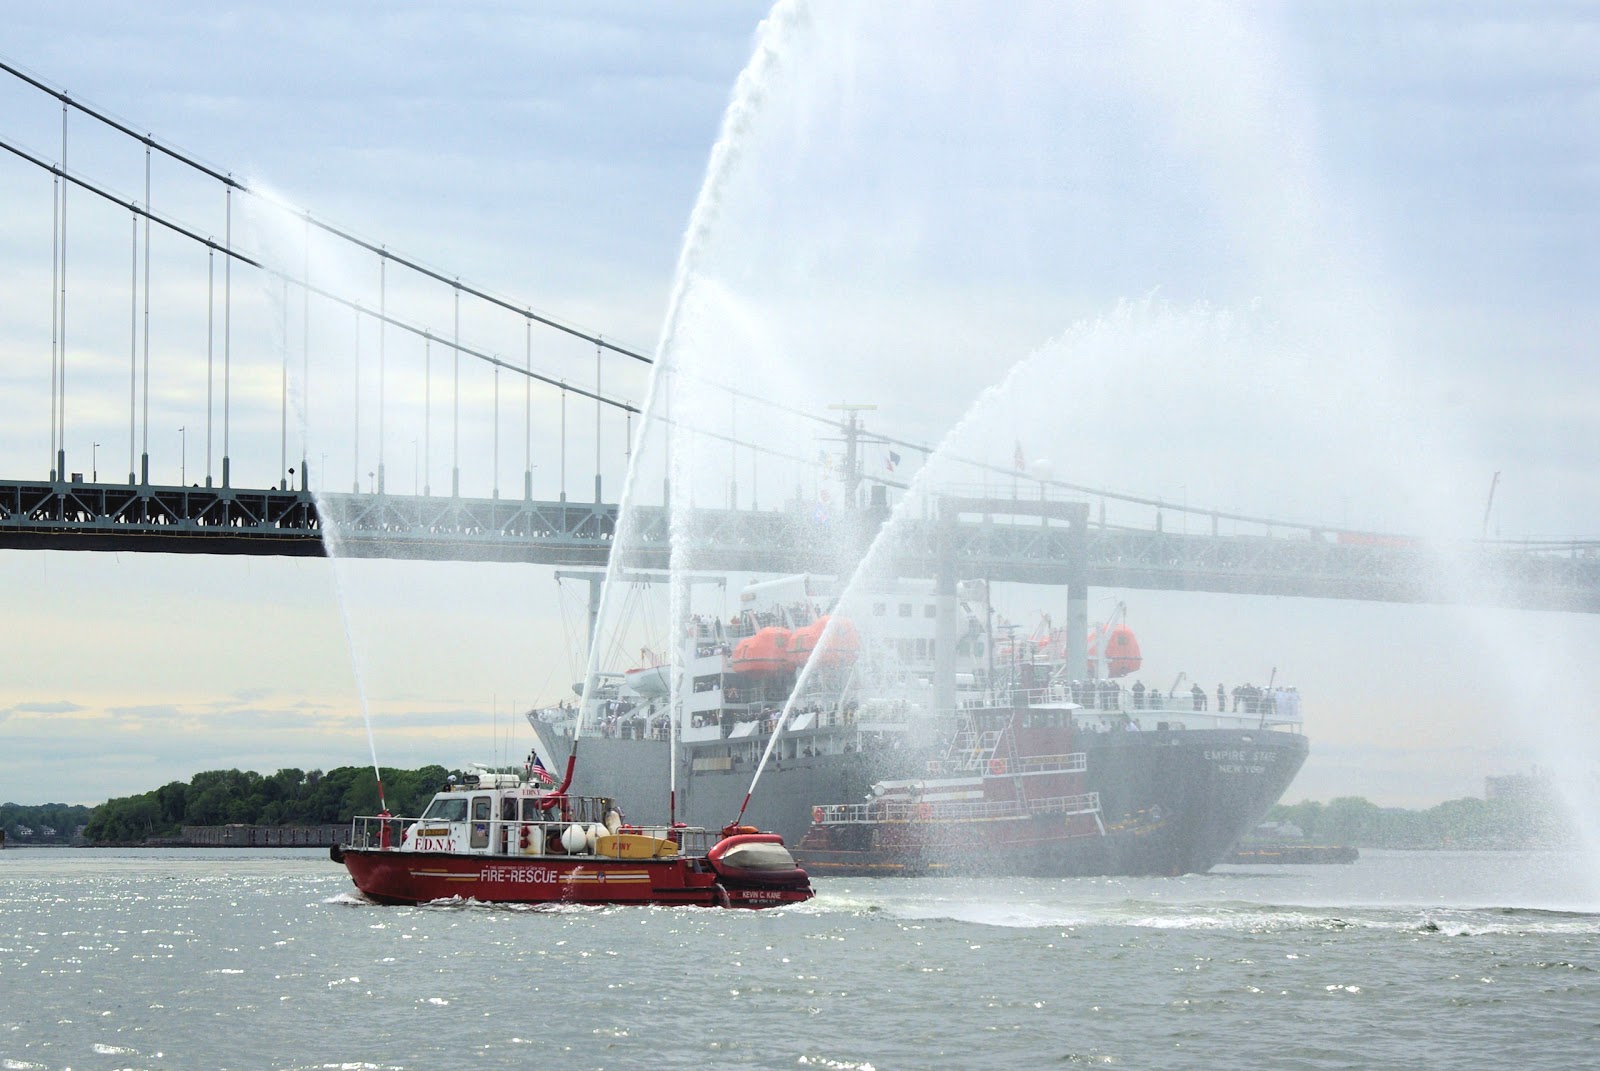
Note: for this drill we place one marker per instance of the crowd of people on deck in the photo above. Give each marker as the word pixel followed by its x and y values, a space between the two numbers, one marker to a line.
pixel 623 718
pixel 767 715
pixel 1282 701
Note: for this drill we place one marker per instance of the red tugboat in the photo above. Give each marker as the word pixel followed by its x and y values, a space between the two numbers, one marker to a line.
pixel 505 838
pixel 1007 796
pixel 1013 795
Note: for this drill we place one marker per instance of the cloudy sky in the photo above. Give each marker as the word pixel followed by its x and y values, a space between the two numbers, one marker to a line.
pixel 1329 262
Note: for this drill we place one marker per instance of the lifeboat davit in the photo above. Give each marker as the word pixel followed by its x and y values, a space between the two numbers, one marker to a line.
pixel 764 654
pixel 1121 655
pixel 840 650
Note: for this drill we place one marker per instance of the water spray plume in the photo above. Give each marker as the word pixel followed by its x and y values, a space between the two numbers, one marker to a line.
pixel 737 120
pixel 918 494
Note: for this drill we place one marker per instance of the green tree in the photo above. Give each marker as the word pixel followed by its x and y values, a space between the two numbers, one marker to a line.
pixel 1348 820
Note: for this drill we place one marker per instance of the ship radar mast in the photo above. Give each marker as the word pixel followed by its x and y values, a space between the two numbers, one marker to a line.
pixel 852 430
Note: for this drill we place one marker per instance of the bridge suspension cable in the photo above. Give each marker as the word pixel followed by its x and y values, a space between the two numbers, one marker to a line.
pixel 151 142
pixel 386 255
pixel 232 255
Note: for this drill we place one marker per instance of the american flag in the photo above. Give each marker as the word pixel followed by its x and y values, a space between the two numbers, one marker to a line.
pixel 537 772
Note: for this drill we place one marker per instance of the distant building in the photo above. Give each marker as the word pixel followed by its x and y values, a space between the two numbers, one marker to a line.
pixel 1528 787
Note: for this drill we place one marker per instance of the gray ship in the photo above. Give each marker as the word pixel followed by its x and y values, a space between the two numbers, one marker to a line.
pixel 1173 786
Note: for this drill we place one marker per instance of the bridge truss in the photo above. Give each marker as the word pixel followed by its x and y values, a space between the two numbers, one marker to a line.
pixel 45 515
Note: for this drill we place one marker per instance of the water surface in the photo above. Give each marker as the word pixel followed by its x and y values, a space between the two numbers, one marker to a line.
pixel 260 959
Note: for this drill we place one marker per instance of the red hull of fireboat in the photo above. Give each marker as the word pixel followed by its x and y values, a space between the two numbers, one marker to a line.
pixel 397 877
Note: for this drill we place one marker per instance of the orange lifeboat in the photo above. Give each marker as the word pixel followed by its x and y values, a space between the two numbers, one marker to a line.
pixel 1121 656
pixel 841 649
pixel 763 654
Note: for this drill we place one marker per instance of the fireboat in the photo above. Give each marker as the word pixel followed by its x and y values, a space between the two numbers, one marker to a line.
pixel 514 839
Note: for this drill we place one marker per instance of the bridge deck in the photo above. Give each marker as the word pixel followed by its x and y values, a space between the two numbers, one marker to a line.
pixel 44 515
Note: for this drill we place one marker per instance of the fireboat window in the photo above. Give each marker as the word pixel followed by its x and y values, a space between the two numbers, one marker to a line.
pixel 447 810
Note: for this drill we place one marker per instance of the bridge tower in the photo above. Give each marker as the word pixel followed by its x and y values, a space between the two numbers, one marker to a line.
pixel 954 546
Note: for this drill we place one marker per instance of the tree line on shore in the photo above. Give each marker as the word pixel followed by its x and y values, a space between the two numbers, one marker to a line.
pixel 287 798
pixel 314 797
pixel 43 823
pixel 1533 821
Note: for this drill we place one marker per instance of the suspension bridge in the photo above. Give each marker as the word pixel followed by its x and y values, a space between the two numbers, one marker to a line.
pixel 365 347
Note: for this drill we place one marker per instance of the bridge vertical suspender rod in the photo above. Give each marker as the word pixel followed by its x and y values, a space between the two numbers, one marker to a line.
pixel 563 442
pixel 455 406
pixel 133 340
pixel 305 355
pixel 227 340
pixel 283 390
pixel 211 347
pixel 61 425
pixel 55 249
pixel 495 464
pixel 427 415
pixel 355 437
pixel 144 465
pixel 527 413
pixel 597 395
pixel 383 315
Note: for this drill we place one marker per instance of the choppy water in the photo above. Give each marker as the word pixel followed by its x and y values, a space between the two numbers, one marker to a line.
pixel 177 959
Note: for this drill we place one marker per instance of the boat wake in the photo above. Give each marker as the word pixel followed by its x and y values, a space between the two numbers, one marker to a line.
pixel 1220 917
pixel 350 900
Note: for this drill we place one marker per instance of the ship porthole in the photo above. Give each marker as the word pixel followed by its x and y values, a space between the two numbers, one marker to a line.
pixel 1247 739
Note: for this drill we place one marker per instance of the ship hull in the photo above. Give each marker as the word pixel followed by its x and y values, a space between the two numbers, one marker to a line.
pixel 397 877
pixel 1172 801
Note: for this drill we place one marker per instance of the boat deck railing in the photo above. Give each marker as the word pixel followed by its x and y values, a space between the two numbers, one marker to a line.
pixel 913 810
pixel 505 837
pixel 1274 709
pixel 1181 708
pixel 1076 762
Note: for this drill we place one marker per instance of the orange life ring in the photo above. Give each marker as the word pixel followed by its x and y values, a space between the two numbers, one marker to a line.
pixel 924 811
pixel 997 766
pixel 816 814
